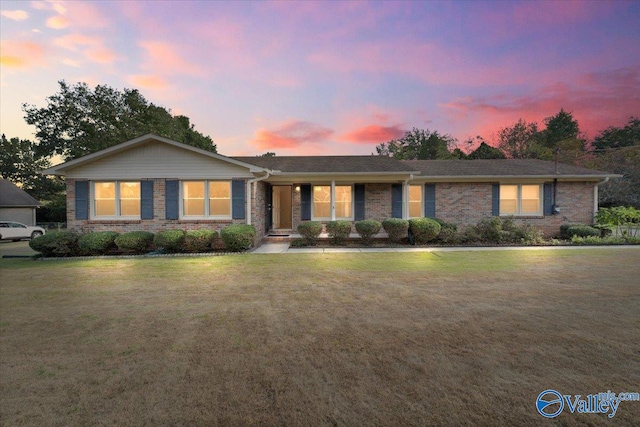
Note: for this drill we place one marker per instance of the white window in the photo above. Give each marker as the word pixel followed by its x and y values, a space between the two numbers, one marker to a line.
pixel 206 199
pixel 521 199
pixel 322 202
pixel 116 199
pixel 415 201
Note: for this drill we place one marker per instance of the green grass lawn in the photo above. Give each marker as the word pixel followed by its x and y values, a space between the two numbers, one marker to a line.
pixel 398 339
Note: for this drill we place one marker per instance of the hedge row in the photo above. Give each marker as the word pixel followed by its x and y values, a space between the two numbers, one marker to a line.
pixel 236 237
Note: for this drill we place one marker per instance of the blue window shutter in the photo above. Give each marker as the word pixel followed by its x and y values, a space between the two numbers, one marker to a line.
pixel 548 198
pixel 430 200
pixel 172 199
pixel 146 200
pixel 396 200
pixel 305 202
pixel 82 199
pixel 495 200
pixel 237 199
pixel 359 213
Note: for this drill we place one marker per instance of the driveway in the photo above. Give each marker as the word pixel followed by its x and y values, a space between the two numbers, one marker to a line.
pixel 21 248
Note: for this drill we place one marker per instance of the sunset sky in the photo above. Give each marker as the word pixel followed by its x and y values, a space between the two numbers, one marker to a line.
pixel 331 77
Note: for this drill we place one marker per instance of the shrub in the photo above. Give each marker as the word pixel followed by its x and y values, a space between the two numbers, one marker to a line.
pixel 298 243
pixel 170 240
pixel 310 231
pixel 567 231
pixel 498 230
pixel 396 228
pixel 424 229
pixel 97 243
pixel 56 244
pixel 367 229
pixel 199 240
pixel 338 231
pixel 135 241
pixel 448 231
pixel 238 237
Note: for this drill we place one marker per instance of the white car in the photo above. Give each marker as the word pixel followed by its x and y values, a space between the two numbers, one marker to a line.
pixel 10 230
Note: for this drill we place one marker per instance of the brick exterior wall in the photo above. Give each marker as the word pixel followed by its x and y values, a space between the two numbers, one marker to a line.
pixel 463 204
pixel 158 223
pixel 466 203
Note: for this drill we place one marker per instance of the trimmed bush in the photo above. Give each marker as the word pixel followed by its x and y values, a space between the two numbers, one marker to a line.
pixel 170 240
pixel 56 244
pixel 396 228
pixel 567 231
pixel 310 231
pixel 367 229
pixel 97 243
pixel 199 240
pixel 135 241
pixel 496 230
pixel 238 237
pixel 424 229
pixel 338 231
pixel 448 231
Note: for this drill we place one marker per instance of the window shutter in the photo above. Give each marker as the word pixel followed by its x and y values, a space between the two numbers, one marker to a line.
pixel 82 199
pixel 359 213
pixel 146 200
pixel 238 199
pixel 495 200
pixel 548 198
pixel 172 199
pixel 305 202
pixel 430 200
pixel 396 200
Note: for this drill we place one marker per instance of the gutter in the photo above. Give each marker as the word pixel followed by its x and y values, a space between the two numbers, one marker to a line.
pixel 249 182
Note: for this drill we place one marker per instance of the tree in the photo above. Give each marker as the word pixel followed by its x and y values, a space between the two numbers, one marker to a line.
pixel 267 154
pixel 519 141
pixel 485 151
pixel 418 144
pixel 78 120
pixel 561 127
pixel 613 137
pixel 20 165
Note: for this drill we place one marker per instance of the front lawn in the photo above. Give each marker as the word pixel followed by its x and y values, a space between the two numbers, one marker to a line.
pixel 442 338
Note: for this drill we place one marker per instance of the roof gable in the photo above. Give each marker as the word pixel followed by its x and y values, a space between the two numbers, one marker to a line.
pixel 64 168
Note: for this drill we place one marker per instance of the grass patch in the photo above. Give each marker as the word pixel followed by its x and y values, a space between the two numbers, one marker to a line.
pixel 446 338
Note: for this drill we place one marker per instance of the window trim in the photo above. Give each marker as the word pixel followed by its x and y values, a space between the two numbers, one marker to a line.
pixel 332 203
pixel 519 212
pixel 118 201
pixel 207 200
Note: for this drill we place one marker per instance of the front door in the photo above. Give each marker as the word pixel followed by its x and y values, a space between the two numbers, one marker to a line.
pixel 281 207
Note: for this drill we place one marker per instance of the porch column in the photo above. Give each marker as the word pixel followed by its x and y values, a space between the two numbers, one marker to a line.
pixel 333 200
pixel 405 200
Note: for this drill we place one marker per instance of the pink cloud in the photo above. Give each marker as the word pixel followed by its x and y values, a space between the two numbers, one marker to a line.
pixel 148 82
pixel 290 135
pixel 15 15
pixel 597 100
pixel 101 55
pixel 21 54
pixel 373 134
pixel 92 47
pixel 162 56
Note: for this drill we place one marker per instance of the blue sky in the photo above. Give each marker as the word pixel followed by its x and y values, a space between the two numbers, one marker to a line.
pixel 331 77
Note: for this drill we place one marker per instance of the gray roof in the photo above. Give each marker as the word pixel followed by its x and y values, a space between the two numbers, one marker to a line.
pixel 12 196
pixel 329 164
pixel 501 168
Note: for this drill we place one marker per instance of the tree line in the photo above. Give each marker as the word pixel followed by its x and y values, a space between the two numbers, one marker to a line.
pixel 79 120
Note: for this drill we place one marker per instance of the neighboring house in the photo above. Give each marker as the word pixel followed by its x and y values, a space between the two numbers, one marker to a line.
pixel 153 183
pixel 16 204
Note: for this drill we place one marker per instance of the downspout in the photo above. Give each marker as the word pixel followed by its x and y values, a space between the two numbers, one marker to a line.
pixel 595 196
pixel 249 193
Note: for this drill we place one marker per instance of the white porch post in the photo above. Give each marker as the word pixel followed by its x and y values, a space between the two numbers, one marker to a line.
pixel 405 200
pixel 333 200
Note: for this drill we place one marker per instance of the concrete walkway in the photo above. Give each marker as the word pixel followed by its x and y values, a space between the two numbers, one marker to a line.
pixel 283 248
